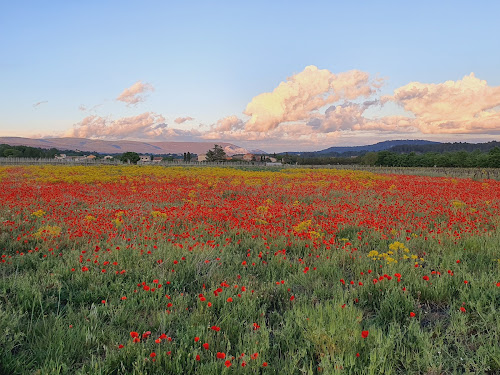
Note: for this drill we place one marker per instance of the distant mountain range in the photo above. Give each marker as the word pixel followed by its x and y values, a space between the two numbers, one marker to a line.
pixel 121 146
pixel 400 147
pixel 380 146
pixel 161 148
pixel 356 150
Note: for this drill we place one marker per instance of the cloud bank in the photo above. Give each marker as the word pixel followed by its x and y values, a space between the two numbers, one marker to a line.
pixel 304 94
pixel 316 107
pixel 145 125
pixel 132 95
pixel 465 106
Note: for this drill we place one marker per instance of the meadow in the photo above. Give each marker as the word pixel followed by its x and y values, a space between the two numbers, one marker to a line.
pixel 185 270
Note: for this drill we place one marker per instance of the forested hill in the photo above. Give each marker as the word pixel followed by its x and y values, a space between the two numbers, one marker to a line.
pixel 380 146
pixel 444 147
pixel 401 147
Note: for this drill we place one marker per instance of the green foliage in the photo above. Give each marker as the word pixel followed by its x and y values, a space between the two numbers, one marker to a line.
pixel 458 159
pixel 130 157
pixel 28 152
pixel 321 327
pixel 216 154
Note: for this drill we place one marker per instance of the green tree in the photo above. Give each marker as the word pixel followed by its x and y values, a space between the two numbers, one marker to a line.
pixel 216 154
pixel 130 157
pixel 370 158
pixel 494 158
pixel 12 152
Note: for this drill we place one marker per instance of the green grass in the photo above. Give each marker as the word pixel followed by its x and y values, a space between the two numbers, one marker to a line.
pixel 52 320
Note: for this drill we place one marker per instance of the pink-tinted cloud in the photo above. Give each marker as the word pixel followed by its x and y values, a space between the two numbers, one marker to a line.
pixel 468 105
pixel 304 94
pixel 295 110
pixel 132 95
pixel 145 125
pixel 180 120
pixel 228 124
pixel 315 108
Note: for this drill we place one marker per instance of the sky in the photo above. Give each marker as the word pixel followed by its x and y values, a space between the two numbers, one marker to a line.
pixel 270 75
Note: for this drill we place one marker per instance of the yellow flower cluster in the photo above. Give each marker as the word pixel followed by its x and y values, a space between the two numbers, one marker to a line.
pixel 262 210
pixel 458 204
pixel 159 214
pixel 38 213
pixel 304 227
pixel 48 231
pixel 397 251
pixel 118 222
pixel 96 174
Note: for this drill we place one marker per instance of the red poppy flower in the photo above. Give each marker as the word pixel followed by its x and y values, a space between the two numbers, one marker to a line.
pixel 364 334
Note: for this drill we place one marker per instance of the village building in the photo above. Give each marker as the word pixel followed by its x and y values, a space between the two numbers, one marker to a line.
pixel 249 157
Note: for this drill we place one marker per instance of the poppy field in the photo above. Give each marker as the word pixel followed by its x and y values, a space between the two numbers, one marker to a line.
pixel 185 270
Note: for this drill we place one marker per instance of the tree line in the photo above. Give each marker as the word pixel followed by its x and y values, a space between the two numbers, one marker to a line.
pixel 458 159
pixel 484 156
pixel 7 151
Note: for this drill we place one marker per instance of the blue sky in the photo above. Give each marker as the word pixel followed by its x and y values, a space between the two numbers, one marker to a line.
pixel 208 61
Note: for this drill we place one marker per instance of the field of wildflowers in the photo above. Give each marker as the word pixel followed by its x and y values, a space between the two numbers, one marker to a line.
pixel 152 270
